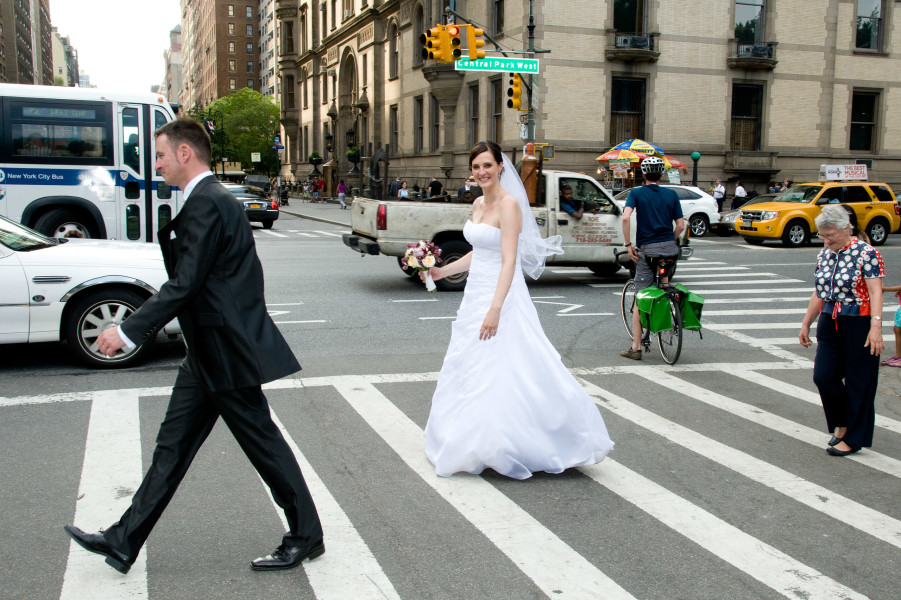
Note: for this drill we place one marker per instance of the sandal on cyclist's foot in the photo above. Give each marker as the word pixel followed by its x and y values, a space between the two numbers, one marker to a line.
pixel 890 361
pixel 630 353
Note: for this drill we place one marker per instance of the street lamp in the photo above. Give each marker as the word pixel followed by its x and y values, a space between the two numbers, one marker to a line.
pixel 695 156
pixel 329 139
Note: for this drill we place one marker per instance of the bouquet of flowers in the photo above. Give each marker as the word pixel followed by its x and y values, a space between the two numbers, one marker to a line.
pixel 422 256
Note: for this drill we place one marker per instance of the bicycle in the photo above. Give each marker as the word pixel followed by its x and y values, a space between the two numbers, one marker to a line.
pixel 669 339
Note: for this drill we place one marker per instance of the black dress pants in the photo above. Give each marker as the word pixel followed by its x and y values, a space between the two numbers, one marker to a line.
pixel 190 417
pixel 846 374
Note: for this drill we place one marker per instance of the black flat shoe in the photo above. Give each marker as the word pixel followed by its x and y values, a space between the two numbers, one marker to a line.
pixel 96 543
pixel 834 441
pixel 287 557
pixel 837 452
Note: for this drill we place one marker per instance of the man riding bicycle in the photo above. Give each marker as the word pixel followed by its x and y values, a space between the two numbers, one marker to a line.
pixel 655 210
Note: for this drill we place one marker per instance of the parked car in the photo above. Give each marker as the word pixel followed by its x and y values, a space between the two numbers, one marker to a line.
pixel 726 226
pixel 698 207
pixel 790 216
pixel 258 206
pixel 70 289
pixel 260 181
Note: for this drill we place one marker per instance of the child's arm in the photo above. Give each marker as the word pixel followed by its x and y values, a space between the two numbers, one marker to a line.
pixel 892 288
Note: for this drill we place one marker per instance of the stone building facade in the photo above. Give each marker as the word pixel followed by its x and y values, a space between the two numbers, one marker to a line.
pixel 220 48
pixel 26 42
pixel 762 89
pixel 172 63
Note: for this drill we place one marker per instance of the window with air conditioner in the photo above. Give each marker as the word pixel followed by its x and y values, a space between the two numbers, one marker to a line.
pixel 629 17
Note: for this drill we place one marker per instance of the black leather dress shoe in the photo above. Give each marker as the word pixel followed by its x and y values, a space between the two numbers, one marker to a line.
pixel 287 557
pixel 834 441
pixel 837 452
pixel 96 543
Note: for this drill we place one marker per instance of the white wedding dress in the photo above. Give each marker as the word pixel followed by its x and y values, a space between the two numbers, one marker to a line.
pixel 507 403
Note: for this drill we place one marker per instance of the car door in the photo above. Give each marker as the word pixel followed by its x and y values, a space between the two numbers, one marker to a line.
pixel 858 199
pixel 582 237
pixel 14 322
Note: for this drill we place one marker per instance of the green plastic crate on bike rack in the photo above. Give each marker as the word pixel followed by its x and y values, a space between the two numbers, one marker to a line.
pixel 653 305
pixel 691 304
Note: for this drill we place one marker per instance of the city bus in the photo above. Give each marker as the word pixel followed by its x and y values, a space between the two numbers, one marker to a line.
pixel 78 162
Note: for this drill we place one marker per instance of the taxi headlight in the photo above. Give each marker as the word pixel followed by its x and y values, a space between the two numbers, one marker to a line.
pixel 728 218
pixel 769 214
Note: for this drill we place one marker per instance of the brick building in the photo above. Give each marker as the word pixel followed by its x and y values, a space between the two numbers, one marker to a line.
pixel 26 47
pixel 763 89
pixel 220 48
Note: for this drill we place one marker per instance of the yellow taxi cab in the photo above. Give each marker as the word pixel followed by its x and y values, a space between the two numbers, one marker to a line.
pixel 790 216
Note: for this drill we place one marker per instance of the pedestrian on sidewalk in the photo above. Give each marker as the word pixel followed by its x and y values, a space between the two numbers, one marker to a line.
pixel 719 193
pixel 740 197
pixel 215 288
pixel 342 193
pixel 284 195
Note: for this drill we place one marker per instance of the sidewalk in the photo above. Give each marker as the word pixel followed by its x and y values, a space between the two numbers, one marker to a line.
pixel 328 211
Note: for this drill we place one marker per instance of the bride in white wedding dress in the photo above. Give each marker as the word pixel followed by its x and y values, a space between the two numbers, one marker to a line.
pixel 504 399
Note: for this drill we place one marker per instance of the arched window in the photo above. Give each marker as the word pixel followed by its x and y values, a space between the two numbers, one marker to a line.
pixel 393 56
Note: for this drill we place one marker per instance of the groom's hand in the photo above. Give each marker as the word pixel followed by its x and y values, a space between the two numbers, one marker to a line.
pixel 109 341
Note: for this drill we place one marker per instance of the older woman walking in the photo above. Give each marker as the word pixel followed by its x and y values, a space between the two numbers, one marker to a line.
pixel 847 304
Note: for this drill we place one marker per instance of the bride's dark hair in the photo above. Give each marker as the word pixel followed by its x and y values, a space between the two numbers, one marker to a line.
pixel 491 147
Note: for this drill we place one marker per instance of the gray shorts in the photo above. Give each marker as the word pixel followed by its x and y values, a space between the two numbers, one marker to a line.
pixel 643 275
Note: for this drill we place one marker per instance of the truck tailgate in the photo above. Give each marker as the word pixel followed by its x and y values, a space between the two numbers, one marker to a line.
pixel 363 214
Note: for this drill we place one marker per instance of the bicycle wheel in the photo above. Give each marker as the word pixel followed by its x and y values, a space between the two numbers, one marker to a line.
pixel 670 340
pixel 628 305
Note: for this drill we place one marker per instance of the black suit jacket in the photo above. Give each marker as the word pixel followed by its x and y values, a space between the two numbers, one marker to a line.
pixel 215 289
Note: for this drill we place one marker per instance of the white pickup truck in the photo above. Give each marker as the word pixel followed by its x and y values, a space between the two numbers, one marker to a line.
pixel 387 226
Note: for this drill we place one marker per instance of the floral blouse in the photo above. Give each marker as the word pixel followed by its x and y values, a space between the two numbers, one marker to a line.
pixel 840 278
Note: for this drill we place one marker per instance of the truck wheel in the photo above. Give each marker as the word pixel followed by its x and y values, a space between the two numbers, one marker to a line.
pixel 66 223
pixel 93 313
pixel 605 270
pixel 407 272
pixel 753 241
pixel 878 230
pixel 699 225
pixel 450 251
pixel 796 234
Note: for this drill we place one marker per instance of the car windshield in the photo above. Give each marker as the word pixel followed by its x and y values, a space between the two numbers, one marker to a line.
pixel 19 237
pixel 623 195
pixel 799 193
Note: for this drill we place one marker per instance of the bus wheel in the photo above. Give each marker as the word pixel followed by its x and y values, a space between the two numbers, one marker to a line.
pixel 65 223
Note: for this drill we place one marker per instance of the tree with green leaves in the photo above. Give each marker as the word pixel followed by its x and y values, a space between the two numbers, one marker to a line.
pixel 245 122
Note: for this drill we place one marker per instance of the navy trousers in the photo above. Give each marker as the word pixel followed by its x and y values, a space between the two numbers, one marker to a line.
pixel 190 418
pixel 846 374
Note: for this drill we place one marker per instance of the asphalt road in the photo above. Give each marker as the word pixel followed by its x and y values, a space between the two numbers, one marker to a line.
pixel 718 488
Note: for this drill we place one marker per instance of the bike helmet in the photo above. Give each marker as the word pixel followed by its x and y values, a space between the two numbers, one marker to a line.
pixel 652 164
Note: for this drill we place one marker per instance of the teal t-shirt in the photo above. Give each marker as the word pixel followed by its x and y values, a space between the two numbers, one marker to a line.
pixel 655 210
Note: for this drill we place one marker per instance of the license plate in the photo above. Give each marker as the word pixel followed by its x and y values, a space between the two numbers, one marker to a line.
pixel 256 206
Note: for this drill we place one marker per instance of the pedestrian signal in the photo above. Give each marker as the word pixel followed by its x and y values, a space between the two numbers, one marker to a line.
pixel 456 51
pixel 514 92
pixel 431 42
pixel 475 40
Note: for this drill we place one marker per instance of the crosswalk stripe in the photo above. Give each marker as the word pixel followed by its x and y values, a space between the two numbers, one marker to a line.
pixel 111 473
pixel 806 395
pixel 693 269
pixel 756 301
pixel 704 292
pixel 332 233
pixel 307 234
pixel 794 430
pixel 273 233
pixel 348 569
pixel 714 276
pixel 744 282
pixel 557 569
pixel 748 311
pixel 810 494
pixel 788 341
pixel 786 575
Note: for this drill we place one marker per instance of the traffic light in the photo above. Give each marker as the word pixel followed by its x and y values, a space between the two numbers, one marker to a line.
pixel 474 38
pixel 514 92
pixel 431 42
pixel 456 51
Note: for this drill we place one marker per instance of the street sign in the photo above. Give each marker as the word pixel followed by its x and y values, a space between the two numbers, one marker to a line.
pixel 498 64
pixel 277 140
pixel 254 157
pixel 524 118
pixel 278 147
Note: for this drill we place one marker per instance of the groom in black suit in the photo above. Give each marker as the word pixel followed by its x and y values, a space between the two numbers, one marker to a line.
pixel 215 289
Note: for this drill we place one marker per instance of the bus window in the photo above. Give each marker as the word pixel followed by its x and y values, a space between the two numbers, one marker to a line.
pixel 130 139
pixel 133 221
pixel 164 191
pixel 63 133
pixel 164 216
